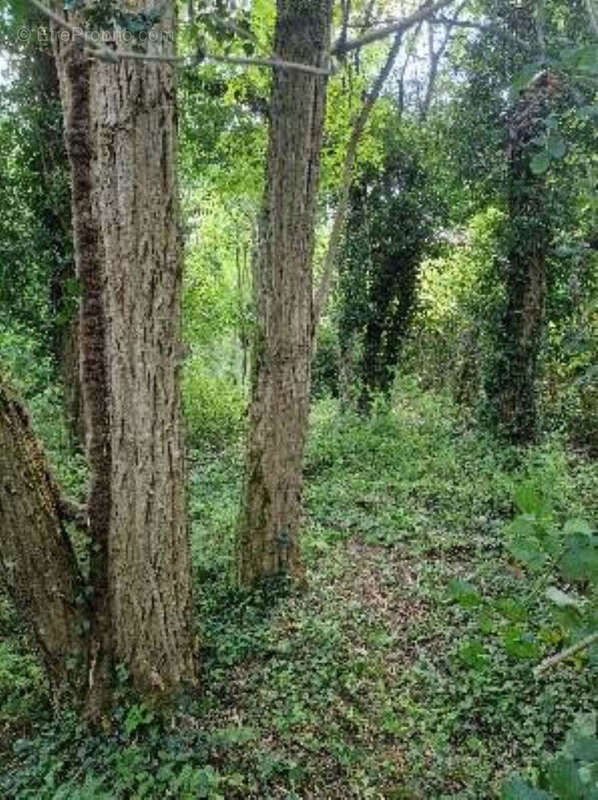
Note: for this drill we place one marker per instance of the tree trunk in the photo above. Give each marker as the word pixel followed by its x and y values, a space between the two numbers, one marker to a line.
pixel 513 383
pixel 137 196
pixel 120 126
pixel 271 506
pixel 37 563
pixel 51 163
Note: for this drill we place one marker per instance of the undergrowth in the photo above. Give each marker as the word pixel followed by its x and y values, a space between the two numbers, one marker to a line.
pixel 404 670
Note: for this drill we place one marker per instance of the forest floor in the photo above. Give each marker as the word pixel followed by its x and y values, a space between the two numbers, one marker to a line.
pixel 402 670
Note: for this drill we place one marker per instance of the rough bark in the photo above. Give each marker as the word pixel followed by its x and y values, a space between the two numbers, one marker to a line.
pixel 120 133
pixel 150 567
pixel 37 563
pixel 271 505
pixel 76 74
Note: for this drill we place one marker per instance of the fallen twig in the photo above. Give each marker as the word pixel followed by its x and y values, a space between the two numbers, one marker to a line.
pixel 564 654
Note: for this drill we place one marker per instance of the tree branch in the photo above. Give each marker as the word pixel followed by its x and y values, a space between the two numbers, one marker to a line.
pixel 115 56
pixel 341 212
pixel 435 57
pixel 409 53
pixel 398 27
pixel 485 28
pixel 564 654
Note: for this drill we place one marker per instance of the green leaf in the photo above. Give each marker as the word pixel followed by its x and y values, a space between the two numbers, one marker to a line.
pixel 473 654
pixel 511 609
pixel 516 788
pixel 580 560
pixel 584 748
pixel 519 644
pixel 587 58
pixel 527 499
pixel 528 551
pixel 540 163
pixel 577 526
pixel 463 593
pixel 563 779
pixel 524 525
pixel 584 724
pixel 556 145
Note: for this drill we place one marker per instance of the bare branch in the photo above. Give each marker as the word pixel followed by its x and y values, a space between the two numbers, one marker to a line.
pixel 346 11
pixel 564 654
pixel 486 28
pixel 400 26
pixel 436 56
pixel 114 56
pixel 410 50
pixel 341 212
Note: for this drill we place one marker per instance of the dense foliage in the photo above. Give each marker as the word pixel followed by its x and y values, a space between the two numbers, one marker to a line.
pixel 446 558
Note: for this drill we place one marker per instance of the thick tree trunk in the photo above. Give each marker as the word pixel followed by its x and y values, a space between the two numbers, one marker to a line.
pixel 150 566
pixel 37 563
pixel 120 134
pixel 271 504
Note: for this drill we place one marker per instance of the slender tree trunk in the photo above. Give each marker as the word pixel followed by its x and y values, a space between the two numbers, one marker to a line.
pixel 513 383
pixel 52 164
pixel 37 563
pixel 271 505
pixel 361 120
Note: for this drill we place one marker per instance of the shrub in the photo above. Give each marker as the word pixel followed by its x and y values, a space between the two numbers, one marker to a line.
pixel 214 407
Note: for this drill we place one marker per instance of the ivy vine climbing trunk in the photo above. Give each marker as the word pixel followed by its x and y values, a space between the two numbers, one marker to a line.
pixel 512 387
pixel 270 516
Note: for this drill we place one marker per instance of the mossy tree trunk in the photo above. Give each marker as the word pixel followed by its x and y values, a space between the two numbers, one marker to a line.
pixel 270 516
pixel 121 137
pixel 37 71
pixel 512 387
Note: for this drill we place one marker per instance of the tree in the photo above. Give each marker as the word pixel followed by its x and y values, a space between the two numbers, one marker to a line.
pixel 528 240
pixel 271 504
pixel 137 606
pixel 270 516
pixel 526 66
pixel 392 213
pixel 531 201
pixel 37 233
pixel 37 561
